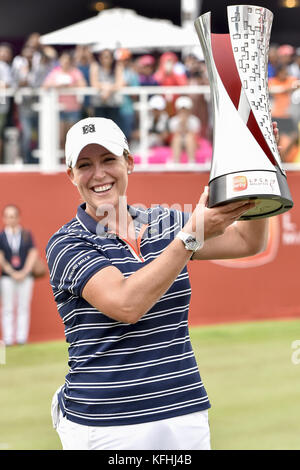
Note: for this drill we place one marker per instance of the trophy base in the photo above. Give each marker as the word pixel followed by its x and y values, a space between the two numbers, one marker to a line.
pixel 268 189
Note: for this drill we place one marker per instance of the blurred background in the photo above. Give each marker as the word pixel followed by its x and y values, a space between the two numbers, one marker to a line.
pixel 54 59
pixel 140 63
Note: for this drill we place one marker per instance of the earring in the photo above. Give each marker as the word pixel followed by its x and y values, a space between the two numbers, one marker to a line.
pixel 129 172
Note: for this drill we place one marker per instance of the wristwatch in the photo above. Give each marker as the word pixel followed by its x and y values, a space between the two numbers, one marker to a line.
pixel 190 242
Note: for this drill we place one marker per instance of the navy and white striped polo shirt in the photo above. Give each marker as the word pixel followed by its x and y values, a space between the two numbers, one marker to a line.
pixel 123 373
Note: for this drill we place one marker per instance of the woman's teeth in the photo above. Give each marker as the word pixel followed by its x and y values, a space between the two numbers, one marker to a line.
pixel 101 189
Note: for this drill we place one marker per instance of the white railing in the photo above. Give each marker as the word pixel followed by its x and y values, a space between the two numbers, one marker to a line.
pixel 48 108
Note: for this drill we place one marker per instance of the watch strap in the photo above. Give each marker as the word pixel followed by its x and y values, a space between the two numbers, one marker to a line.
pixel 189 241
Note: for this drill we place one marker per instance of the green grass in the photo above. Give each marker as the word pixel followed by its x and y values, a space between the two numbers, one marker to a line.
pixel 252 383
pixel 247 370
pixel 27 383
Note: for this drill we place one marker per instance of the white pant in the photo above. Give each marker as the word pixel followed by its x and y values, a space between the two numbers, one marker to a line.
pixel 19 294
pixel 187 432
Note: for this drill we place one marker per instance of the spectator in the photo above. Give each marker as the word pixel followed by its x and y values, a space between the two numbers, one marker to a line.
pixel 47 62
pixel 29 70
pixel 157 125
pixel 146 70
pixel 43 58
pixel 34 42
pixel 170 73
pixel 272 60
pixel 17 257
pixel 285 54
pixel 107 76
pixel 64 76
pixel 6 53
pixel 41 54
pixel 281 87
pixel 158 122
pixel 295 107
pixel 197 76
pixel 22 70
pixel 291 151
pixel 83 58
pixel 130 79
pixel 189 64
pixel 185 129
pixel 21 65
pixel 294 68
pixel 5 82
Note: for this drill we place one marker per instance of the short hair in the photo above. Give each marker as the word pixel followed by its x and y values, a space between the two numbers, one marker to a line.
pixel 68 52
pixel 7 45
pixel 13 206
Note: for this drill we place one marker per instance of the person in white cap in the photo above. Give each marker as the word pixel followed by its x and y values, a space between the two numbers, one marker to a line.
pixel 185 129
pixel 158 129
pixel 158 125
pixel 119 278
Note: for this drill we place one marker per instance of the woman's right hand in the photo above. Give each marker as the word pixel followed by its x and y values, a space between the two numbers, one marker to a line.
pixel 206 223
pixel 18 275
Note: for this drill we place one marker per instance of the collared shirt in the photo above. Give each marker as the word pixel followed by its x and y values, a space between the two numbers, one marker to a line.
pixel 13 239
pixel 123 373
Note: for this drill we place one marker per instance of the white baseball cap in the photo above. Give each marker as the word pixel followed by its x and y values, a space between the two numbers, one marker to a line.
pixel 157 102
pixel 94 130
pixel 183 102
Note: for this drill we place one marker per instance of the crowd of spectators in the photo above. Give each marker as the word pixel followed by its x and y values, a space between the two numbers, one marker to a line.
pixel 284 81
pixel 107 72
pixel 175 121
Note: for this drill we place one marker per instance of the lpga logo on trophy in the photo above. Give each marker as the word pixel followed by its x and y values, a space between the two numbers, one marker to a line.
pixel 246 163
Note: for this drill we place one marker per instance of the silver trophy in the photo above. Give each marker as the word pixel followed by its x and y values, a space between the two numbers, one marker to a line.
pixel 246 163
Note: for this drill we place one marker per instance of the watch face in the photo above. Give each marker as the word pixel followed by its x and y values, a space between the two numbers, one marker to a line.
pixel 192 244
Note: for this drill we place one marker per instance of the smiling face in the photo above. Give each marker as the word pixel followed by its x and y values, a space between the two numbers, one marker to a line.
pixel 101 178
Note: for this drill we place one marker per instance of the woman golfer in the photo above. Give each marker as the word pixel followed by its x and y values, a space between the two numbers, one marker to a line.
pixel 120 281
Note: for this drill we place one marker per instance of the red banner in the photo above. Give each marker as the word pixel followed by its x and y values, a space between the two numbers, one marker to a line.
pixel 264 286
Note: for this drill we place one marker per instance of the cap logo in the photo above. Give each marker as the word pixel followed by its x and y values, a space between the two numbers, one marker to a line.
pixel 88 128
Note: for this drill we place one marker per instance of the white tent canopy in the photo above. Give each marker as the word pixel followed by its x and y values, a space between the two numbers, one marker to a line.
pixel 124 28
